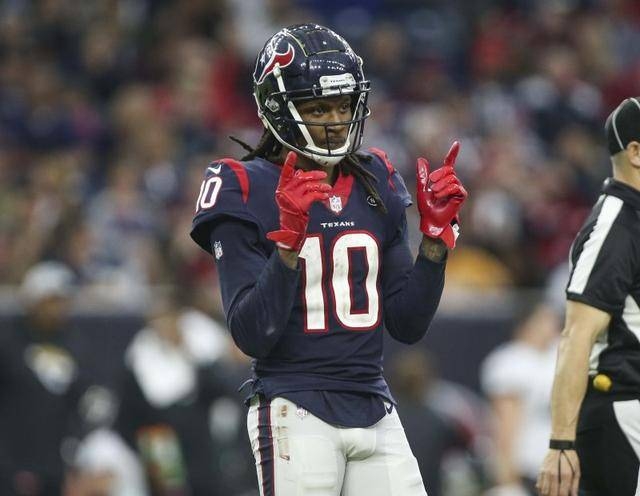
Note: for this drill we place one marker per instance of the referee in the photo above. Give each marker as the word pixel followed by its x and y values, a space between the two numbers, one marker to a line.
pixel 595 407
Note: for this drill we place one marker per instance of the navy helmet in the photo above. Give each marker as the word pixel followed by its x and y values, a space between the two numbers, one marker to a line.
pixel 303 62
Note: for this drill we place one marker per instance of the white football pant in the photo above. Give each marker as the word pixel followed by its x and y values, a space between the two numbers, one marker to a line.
pixel 297 454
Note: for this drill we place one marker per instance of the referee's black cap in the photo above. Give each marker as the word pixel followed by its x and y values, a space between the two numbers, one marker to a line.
pixel 623 125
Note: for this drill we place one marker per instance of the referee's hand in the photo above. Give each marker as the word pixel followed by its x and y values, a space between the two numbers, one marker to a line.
pixel 560 474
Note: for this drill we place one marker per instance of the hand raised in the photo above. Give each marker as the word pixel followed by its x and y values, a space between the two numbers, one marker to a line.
pixel 297 190
pixel 440 195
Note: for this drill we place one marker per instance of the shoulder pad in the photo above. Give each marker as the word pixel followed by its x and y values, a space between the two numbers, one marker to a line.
pixel 224 192
pixel 393 178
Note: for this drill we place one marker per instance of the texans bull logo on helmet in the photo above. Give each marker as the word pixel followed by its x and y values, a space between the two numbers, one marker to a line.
pixel 281 59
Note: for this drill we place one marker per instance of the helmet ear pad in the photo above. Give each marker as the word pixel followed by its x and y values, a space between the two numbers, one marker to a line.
pixel 273 111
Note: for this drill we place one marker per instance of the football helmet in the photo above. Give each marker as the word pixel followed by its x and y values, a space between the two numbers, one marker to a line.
pixel 304 62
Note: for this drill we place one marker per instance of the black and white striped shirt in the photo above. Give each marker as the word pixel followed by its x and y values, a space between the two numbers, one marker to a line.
pixel 605 274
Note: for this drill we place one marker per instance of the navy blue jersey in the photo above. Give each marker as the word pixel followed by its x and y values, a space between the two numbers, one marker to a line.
pixel 317 328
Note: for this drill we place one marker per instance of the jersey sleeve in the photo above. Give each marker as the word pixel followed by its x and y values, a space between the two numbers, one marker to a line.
pixel 224 194
pixel 258 289
pixel 397 188
pixel 412 291
pixel 606 262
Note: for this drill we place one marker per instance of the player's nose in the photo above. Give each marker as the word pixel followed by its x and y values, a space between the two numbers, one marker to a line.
pixel 335 121
pixel 335 117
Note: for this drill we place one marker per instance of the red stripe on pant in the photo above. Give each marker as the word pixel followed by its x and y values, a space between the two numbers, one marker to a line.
pixel 266 448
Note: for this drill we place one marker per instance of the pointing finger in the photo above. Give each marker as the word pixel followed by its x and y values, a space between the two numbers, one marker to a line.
pixel 450 159
pixel 287 168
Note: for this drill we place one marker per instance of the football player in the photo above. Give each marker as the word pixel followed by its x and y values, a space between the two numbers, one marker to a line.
pixel 309 236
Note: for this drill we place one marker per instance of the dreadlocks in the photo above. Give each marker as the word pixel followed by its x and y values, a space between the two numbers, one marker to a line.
pixel 269 148
pixel 353 164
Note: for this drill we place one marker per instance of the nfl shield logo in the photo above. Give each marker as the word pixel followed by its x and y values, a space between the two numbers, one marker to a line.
pixel 335 203
pixel 217 249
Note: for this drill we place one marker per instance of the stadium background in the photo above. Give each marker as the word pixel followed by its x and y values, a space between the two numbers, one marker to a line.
pixel 111 109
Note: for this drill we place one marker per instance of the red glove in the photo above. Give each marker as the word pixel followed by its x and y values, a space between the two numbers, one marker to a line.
pixel 296 191
pixel 440 196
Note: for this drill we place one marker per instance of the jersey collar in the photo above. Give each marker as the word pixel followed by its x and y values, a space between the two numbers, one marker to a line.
pixel 623 191
pixel 340 193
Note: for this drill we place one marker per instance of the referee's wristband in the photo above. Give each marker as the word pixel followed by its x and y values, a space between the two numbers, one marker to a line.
pixel 558 444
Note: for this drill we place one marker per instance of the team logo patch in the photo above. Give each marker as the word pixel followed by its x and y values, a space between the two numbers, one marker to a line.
pixel 281 59
pixel 301 412
pixel 217 250
pixel 372 201
pixel 335 204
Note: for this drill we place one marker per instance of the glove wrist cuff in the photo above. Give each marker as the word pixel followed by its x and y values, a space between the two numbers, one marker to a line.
pixel 287 240
pixel 448 234
pixel 430 230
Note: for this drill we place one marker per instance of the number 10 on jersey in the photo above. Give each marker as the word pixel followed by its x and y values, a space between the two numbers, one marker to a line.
pixel 339 285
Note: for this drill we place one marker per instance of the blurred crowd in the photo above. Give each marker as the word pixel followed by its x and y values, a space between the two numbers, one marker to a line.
pixel 110 111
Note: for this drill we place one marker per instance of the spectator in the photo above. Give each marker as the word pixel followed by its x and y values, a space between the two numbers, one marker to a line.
pixel 517 378
pixel 434 435
pixel 40 386
pixel 155 87
pixel 173 381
